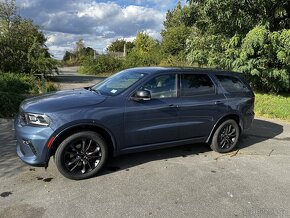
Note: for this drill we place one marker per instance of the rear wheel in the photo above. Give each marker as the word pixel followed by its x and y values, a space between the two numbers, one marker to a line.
pixel 225 137
pixel 81 155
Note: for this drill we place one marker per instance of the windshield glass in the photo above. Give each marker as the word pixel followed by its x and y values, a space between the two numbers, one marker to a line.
pixel 118 83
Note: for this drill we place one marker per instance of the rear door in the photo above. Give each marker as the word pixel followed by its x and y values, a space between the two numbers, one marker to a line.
pixel 240 96
pixel 201 105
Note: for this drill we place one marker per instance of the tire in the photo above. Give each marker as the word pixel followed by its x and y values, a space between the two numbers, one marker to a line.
pixel 81 155
pixel 225 137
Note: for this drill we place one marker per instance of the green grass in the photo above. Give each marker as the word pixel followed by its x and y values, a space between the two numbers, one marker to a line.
pixel 273 106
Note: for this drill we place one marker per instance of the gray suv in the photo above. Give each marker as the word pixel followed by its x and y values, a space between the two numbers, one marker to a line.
pixel 134 110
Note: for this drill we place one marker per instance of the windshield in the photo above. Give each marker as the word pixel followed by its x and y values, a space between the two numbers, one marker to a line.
pixel 118 83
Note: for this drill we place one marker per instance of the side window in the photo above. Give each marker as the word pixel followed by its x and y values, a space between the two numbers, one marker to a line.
pixel 232 84
pixel 196 84
pixel 164 86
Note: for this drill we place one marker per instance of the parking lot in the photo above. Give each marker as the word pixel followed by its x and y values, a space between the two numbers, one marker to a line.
pixel 183 181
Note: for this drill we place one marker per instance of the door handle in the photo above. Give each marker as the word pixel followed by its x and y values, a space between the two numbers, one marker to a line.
pixel 173 106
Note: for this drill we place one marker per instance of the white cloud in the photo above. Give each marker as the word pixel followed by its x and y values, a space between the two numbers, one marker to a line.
pixel 65 22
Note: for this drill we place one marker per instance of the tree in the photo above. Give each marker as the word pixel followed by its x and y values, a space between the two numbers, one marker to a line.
pixel 230 17
pixel 250 36
pixel 79 54
pixel 22 44
pixel 80 45
pixel 264 57
pixel 177 28
pixel 8 14
pixel 67 56
pixel 118 46
pixel 146 51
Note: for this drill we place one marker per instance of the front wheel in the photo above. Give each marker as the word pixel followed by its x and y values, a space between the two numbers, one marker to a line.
pixel 81 155
pixel 225 137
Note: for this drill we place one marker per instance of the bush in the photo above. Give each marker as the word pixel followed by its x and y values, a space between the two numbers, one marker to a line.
pixel 51 87
pixel 14 88
pixel 9 104
pixel 19 83
pixel 102 64
pixel 264 58
pixel 142 59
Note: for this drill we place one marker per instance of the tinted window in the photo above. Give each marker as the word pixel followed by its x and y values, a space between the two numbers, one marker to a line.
pixel 164 86
pixel 196 84
pixel 232 84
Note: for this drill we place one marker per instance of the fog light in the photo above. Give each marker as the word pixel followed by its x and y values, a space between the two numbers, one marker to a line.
pixel 30 145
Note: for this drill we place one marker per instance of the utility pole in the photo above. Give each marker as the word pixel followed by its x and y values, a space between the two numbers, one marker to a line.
pixel 95 55
pixel 125 49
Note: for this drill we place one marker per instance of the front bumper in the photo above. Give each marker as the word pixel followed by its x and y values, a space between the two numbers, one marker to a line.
pixel 32 143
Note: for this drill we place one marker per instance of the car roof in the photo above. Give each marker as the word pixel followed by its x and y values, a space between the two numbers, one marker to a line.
pixel 153 70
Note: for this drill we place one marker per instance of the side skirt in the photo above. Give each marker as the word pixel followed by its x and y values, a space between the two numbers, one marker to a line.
pixel 149 147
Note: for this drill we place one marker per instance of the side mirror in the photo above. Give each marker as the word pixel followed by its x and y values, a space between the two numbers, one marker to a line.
pixel 141 96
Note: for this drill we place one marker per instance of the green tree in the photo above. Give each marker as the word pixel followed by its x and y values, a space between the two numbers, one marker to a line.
pixel 22 44
pixel 79 54
pixel 67 56
pixel 206 50
pixel 118 46
pixel 264 57
pixel 177 30
pixel 146 52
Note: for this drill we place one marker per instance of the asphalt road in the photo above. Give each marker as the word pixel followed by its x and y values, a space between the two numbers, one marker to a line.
pixel 69 78
pixel 186 181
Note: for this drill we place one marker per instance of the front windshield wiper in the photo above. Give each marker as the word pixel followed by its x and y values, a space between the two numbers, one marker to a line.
pixel 94 90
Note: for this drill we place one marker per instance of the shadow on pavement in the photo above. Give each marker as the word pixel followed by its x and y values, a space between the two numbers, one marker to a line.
pixel 260 131
pixel 10 164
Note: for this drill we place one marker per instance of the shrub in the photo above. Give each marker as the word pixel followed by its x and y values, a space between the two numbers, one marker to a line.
pixel 264 58
pixel 9 104
pixel 102 64
pixel 14 88
pixel 19 83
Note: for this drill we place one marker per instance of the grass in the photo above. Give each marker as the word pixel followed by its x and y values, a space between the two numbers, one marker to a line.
pixel 273 106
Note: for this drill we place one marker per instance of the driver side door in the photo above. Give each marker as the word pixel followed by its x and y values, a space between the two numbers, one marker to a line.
pixel 148 122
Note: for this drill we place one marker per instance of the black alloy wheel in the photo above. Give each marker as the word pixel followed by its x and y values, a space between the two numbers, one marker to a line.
pixel 225 137
pixel 81 155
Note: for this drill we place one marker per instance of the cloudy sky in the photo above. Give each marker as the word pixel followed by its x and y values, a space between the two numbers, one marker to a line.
pixel 96 22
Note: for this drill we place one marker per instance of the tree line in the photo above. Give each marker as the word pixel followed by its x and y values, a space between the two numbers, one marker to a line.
pixel 248 36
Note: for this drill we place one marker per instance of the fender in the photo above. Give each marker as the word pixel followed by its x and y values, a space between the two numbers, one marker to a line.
pixel 219 120
pixel 51 145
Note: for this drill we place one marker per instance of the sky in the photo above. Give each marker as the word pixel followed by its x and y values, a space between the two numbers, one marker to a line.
pixel 98 23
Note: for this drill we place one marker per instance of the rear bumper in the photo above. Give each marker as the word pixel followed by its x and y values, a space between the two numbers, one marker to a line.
pixel 32 143
pixel 248 120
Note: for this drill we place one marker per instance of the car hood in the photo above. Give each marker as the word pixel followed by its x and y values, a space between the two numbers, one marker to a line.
pixel 61 100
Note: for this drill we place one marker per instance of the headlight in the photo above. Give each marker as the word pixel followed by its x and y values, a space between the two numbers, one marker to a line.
pixel 35 119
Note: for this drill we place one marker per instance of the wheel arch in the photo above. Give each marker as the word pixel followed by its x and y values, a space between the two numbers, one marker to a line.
pixel 66 132
pixel 233 116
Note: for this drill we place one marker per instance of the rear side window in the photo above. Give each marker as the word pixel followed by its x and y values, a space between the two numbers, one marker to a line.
pixel 196 84
pixel 232 84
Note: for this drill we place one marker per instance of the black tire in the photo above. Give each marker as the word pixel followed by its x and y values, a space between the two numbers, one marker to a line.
pixel 81 155
pixel 225 137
